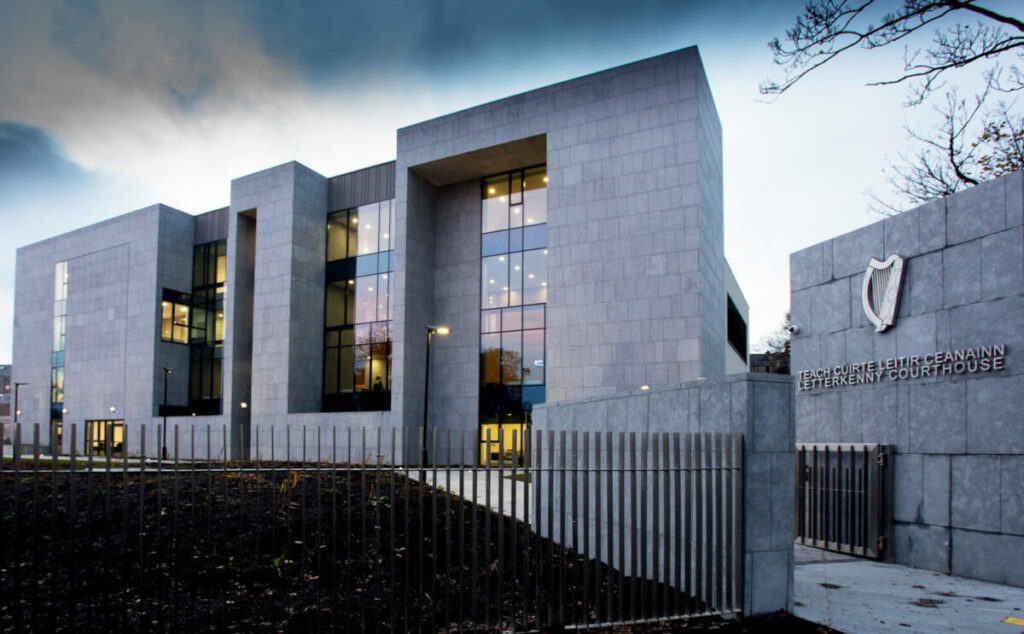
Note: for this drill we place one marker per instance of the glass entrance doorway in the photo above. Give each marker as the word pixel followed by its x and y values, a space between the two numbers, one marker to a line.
pixel 505 447
pixel 104 437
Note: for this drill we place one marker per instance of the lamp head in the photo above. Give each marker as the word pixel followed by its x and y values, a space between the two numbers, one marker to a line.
pixel 440 330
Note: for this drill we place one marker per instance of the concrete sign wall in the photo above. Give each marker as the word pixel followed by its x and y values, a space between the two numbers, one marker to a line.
pixel 944 383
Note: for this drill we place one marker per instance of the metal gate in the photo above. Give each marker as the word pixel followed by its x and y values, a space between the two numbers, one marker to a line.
pixel 843 497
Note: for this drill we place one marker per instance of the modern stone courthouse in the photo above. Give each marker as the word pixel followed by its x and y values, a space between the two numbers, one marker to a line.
pixel 935 369
pixel 570 237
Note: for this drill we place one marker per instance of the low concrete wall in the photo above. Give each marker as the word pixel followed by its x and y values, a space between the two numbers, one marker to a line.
pixel 758 406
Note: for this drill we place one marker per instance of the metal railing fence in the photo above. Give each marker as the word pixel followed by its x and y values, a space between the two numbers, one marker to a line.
pixel 843 497
pixel 586 529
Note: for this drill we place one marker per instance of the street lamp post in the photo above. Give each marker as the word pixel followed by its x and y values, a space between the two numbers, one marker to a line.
pixel 167 373
pixel 431 330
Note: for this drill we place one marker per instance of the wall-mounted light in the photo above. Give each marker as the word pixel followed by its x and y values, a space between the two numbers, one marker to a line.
pixel 112 409
pixel 64 411
pixel 243 405
pixel 645 387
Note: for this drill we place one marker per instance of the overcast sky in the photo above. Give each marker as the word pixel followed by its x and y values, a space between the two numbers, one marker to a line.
pixel 106 107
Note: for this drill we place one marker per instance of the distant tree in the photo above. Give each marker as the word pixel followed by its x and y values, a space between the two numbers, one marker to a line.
pixel 976 139
pixel 776 344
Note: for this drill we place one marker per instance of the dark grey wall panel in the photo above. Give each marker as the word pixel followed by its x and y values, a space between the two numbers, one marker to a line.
pixel 213 225
pixel 368 185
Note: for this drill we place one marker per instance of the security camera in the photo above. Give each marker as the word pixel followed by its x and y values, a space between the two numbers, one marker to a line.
pixel 793 329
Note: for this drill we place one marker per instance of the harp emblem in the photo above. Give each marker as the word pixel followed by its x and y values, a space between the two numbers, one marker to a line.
pixel 881 293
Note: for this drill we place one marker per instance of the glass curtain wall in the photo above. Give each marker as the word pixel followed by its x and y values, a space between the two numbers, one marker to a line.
pixel 513 295
pixel 60 313
pixel 358 309
pixel 206 327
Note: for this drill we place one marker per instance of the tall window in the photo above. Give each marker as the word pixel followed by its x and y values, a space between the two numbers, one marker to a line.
pixel 358 309
pixel 60 312
pixel 206 327
pixel 513 294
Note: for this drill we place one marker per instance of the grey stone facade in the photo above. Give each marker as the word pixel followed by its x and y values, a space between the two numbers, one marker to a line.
pixel 959 440
pixel 636 271
pixel 758 406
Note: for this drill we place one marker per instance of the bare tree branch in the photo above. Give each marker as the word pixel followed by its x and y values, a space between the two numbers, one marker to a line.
pixel 829 28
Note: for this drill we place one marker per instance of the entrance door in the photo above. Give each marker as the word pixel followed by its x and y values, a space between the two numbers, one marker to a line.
pixel 104 437
pixel 502 448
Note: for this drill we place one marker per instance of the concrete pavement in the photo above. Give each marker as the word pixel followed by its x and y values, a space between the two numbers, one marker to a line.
pixel 858 595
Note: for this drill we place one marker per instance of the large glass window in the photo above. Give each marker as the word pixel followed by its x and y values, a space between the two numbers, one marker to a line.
pixel 206 327
pixel 174 317
pixel 513 281
pixel 358 309
pixel 60 311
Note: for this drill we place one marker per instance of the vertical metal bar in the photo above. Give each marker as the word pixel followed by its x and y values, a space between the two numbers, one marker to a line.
pixel 680 504
pixel 462 519
pixel 572 567
pixel 474 542
pixel 698 523
pixel 142 511
pixel 538 517
pixel 18 547
pixel 655 522
pixel 126 566
pixel 487 535
pixel 621 577
pixel 562 512
pixel 513 550
pixel 409 434
pixel 446 568
pixel 51 564
pixel 709 518
pixel 725 572
pixel 644 452
pixel 598 530
pixel 35 527
pixel 799 493
pixel 553 577
pixel 71 516
pixel 737 537
pixel 501 522
pixel 527 485
pixel 719 526
pixel 610 509
pixel 585 560
pixel 874 530
pixel 633 563
pixel 816 486
pixel 666 575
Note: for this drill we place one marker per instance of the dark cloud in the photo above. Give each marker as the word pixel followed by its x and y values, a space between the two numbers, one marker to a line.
pixel 328 38
pixel 79 28
pixel 30 157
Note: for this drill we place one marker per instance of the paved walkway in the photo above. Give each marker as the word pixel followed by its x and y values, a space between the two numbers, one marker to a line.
pixel 487 483
pixel 862 596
